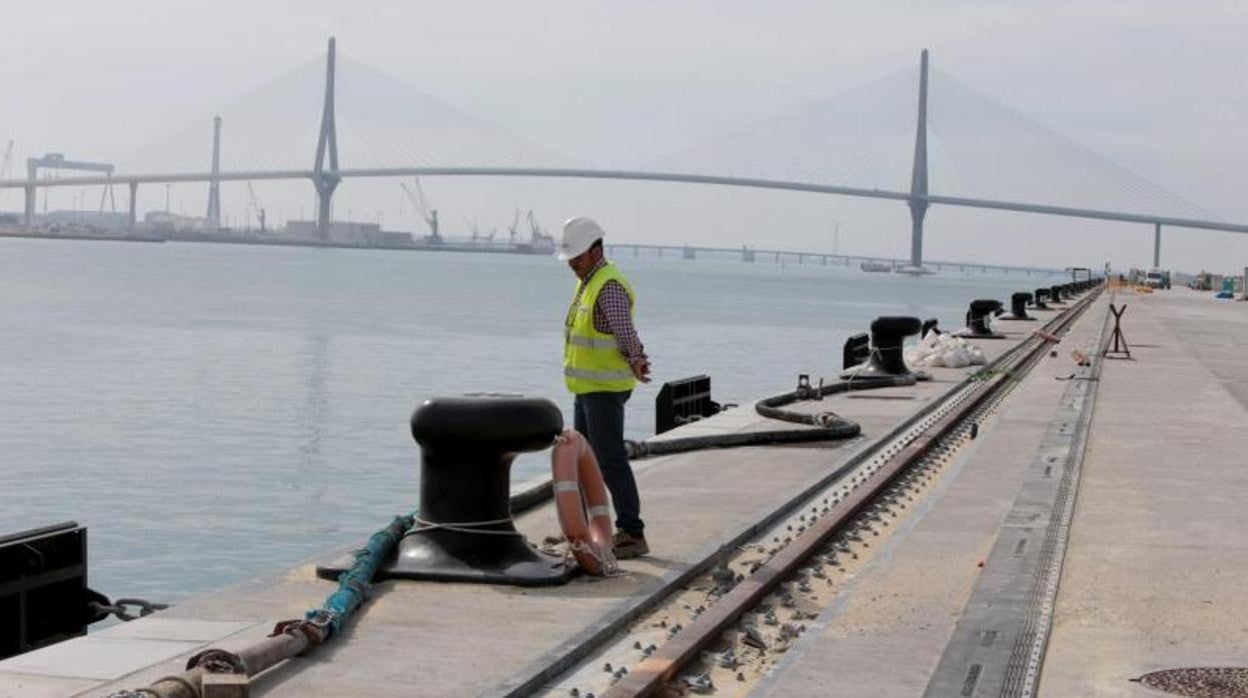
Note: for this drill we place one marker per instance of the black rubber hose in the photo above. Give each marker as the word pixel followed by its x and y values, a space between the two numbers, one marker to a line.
pixel 831 426
pixel 845 429
pixel 770 407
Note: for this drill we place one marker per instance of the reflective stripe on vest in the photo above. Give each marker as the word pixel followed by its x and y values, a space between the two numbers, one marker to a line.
pixel 596 375
pixel 592 361
pixel 593 342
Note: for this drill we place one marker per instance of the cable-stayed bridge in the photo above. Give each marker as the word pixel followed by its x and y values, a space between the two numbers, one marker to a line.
pixel 826 149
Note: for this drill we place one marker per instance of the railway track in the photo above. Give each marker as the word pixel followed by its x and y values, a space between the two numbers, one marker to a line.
pixel 726 625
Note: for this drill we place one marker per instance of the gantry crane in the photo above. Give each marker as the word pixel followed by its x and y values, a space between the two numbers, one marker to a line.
pixel 57 161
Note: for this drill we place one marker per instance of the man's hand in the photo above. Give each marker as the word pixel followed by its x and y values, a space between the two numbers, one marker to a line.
pixel 641 368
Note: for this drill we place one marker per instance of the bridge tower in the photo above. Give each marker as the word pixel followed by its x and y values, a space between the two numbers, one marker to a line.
pixel 918 176
pixel 214 185
pixel 326 180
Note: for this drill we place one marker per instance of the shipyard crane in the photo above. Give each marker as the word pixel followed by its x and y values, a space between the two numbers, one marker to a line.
pixel 514 227
pixel 255 205
pixel 57 161
pixel 429 215
pixel 539 238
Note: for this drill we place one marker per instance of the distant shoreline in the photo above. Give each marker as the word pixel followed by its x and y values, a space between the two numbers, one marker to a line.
pixel 271 242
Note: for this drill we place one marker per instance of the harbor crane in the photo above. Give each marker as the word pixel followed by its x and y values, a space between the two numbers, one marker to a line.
pixel 429 215
pixel 255 205
pixel 538 237
pixel 514 227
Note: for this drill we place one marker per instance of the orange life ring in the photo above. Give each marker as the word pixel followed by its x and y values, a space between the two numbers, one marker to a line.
pixel 582 503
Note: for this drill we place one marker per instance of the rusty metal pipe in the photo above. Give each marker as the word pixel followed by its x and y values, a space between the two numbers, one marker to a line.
pixel 287 642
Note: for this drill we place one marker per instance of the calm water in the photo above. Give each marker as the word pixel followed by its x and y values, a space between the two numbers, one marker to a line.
pixel 217 412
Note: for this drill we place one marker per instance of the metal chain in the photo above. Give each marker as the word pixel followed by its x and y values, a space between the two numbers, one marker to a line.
pixel 120 607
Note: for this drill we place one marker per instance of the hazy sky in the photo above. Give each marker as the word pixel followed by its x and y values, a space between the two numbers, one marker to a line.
pixel 1158 87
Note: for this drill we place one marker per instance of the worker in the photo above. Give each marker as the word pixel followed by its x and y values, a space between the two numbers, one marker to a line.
pixel 603 358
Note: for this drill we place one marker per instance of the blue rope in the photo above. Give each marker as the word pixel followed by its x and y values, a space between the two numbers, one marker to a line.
pixel 355 583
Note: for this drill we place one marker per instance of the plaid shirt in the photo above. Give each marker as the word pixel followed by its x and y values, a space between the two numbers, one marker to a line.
pixel 612 315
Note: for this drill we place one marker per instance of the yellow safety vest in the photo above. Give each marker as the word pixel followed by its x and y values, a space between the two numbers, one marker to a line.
pixel 592 361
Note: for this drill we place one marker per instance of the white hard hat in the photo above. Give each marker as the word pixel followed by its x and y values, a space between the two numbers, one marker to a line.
pixel 579 234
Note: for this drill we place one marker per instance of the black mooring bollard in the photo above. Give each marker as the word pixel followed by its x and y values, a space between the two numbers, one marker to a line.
pixel 885 360
pixel 977 320
pixel 1018 307
pixel 1041 294
pixel 464 531
pixel 1055 294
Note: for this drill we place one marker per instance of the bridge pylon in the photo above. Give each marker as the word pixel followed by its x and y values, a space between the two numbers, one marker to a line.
pixel 918 176
pixel 214 185
pixel 132 214
pixel 326 180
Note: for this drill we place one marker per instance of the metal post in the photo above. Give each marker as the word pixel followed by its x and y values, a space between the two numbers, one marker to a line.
pixel 918 177
pixel 1157 245
pixel 32 172
pixel 134 195
pixel 29 217
pixel 324 180
pixel 214 185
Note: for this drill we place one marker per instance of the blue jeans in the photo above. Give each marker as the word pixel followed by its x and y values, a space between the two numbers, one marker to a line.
pixel 600 418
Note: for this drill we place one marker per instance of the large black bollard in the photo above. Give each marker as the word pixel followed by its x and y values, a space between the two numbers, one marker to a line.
pixel 885 360
pixel 1018 307
pixel 1055 294
pixel 1041 294
pixel 977 320
pixel 464 531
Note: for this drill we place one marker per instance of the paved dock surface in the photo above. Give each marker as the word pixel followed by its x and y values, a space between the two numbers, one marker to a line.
pixel 1154 574
pixel 887 632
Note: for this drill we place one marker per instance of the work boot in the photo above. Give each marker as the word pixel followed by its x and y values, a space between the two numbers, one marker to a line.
pixel 628 546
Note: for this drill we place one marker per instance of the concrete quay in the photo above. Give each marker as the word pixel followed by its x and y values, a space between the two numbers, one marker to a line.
pixel 1153 575
pixel 895 624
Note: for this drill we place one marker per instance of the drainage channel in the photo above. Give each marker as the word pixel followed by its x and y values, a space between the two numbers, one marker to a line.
pixel 723 630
